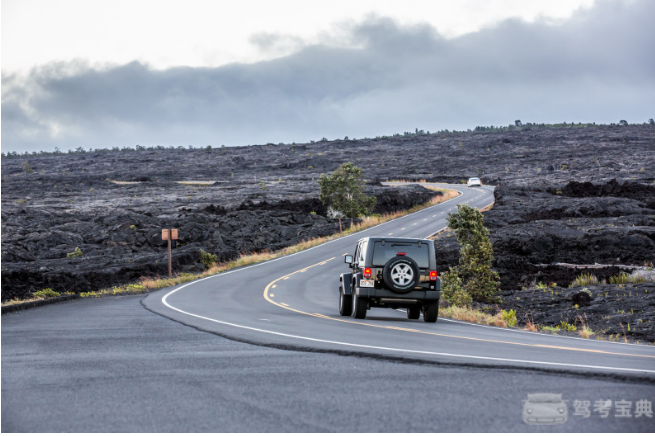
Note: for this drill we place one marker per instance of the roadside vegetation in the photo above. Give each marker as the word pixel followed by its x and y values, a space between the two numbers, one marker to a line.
pixel 473 278
pixel 342 192
pixel 41 295
pixel 638 276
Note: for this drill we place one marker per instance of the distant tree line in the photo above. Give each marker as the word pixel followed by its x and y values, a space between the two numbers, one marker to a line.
pixel 516 126
pixel 81 150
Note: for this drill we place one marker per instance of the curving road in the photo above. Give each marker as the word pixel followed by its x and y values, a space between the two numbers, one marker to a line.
pixel 108 365
pixel 291 303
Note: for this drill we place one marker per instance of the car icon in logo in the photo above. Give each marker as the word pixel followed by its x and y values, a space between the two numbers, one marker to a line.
pixel 545 409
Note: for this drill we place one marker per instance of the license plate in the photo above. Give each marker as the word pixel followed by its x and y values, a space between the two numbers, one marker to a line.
pixel 364 283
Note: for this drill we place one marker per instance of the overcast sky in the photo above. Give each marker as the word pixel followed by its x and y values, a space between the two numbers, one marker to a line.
pixel 119 73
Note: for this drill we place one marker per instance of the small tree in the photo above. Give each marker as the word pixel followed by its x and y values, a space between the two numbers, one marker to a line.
pixel 473 275
pixel 651 121
pixel 518 123
pixel 342 191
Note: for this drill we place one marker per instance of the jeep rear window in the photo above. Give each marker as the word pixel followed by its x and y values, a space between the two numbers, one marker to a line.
pixel 382 253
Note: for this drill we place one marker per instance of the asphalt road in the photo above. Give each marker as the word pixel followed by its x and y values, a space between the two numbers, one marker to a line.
pixel 292 302
pixel 110 365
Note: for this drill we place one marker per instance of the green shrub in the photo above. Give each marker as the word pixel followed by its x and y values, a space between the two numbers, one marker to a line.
pixel 76 253
pixel 208 259
pixel 475 255
pixel 27 168
pixel 509 317
pixel 451 289
pixel 564 325
pixel 543 286
pixel 46 293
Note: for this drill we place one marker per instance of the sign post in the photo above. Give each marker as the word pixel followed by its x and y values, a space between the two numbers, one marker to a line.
pixel 169 235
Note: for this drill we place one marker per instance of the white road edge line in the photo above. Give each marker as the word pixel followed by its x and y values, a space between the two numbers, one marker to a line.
pixel 401 350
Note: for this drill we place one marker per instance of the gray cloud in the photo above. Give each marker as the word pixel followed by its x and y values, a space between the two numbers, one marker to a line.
pixel 597 66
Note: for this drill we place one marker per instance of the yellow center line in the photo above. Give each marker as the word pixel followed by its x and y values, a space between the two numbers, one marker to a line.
pixel 316 315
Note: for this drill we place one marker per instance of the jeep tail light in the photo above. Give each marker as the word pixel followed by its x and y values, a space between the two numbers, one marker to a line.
pixel 367 273
pixel 433 275
pixel 401 254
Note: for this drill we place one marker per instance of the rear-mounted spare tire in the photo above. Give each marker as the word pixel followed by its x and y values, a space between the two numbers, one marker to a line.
pixel 400 274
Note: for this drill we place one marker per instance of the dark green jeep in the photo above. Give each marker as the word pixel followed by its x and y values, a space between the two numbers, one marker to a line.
pixel 394 273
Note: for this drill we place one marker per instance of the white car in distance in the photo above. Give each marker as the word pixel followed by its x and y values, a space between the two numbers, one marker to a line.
pixel 474 181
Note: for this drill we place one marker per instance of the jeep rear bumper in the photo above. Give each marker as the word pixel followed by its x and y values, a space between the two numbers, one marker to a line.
pixel 419 295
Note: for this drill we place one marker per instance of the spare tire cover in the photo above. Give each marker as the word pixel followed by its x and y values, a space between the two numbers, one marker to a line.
pixel 401 274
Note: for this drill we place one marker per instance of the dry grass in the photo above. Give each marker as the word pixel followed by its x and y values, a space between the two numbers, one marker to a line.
pixel 635 277
pixel 472 315
pixel 147 284
pixel 585 331
pixel 529 326
pixel 408 181
pixel 585 279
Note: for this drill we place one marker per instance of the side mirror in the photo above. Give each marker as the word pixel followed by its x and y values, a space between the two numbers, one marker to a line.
pixel 348 259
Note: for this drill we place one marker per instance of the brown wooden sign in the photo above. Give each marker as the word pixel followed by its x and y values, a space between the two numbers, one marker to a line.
pixel 169 234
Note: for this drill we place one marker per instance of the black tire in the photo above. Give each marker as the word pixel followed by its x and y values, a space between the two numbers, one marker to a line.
pixel 359 307
pixel 413 312
pixel 345 303
pixel 401 274
pixel 431 311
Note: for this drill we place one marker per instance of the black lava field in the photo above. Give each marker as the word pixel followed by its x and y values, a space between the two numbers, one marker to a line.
pixel 578 195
